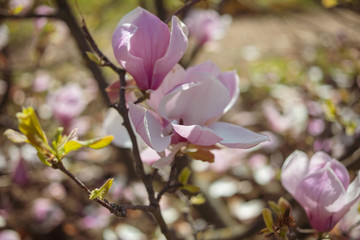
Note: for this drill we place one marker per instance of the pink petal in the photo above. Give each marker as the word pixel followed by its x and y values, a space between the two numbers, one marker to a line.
pixel 197 135
pixel 294 170
pixel 231 82
pixel 148 126
pixel 169 156
pixel 237 137
pixel 316 192
pixel 175 51
pixel 197 103
pixel 113 126
pixel 133 64
pixel 175 78
pixel 320 159
pixel 207 66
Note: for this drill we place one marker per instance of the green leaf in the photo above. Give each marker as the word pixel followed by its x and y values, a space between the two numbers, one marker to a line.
pixel 100 192
pixel 275 207
pixel 190 188
pixel 266 213
pixel 29 125
pixel 95 143
pixel 58 138
pixel 42 158
pixel 15 136
pixel 102 142
pixel 201 154
pixel 184 175
pixel 198 199
pixel 93 57
pixel 72 146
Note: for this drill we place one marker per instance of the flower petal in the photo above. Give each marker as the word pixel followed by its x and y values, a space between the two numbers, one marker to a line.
pixel 175 51
pixel 148 126
pixel 237 137
pixel 294 170
pixel 316 192
pixel 197 135
pixel 186 102
pixel 231 82
pixel 113 126
pixel 121 45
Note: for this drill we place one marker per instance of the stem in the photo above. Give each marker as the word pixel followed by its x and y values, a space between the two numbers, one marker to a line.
pixel 27 16
pixel 186 6
pixel 320 236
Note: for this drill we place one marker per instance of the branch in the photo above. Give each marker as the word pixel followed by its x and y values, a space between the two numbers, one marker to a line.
pixel 185 7
pixel 117 210
pixel 27 16
pixel 67 16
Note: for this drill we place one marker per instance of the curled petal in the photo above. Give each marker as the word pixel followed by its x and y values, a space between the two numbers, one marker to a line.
pixel 133 64
pixel 197 135
pixel 317 193
pixel 293 170
pixel 148 126
pixel 175 51
pixel 237 137
pixel 187 101
pixel 231 82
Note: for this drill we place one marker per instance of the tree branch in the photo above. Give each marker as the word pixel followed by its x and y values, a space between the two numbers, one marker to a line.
pixel 185 7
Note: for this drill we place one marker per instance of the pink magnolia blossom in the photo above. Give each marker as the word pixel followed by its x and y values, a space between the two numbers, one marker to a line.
pixel 187 107
pixel 321 186
pixel 206 25
pixel 145 47
pixel 67 103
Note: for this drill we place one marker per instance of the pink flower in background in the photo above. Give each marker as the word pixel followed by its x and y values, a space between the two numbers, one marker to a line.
pixel 321 186
pixel 206 25
pixel 187 107
pixel 145 47
pixel 43 10
pixel 67 103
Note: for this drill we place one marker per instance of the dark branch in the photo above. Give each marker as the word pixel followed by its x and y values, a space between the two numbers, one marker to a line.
pixel 185 7
pixel 27 16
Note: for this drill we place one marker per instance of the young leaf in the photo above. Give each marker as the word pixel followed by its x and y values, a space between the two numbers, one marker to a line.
pixel 29 125
pixel 100 192
pixel 15 136
pixel 190 188
pixel 102 142
pixel 202 154
pixel 266 213
pixel 95 143
pixel 198 199
pixel 184 175
pixel 93 57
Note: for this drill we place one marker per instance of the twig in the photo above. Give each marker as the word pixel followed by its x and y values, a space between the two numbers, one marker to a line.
pixel 171 184
pixel 95 48
pixel 27 16
pixel 186 6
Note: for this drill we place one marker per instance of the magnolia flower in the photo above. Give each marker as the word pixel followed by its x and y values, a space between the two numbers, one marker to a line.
pixel 321 186
pixel 145 47
pixel 206 25
pixel 67 103
pixel 187 107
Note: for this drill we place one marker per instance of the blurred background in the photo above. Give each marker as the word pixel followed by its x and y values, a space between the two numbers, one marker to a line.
pixel 298 62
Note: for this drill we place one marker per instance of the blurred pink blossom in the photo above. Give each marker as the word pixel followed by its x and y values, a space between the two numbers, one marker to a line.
pixel 21 6
pixel 67 103
pixel 43 10
pixel 145 47
pixel 206 25
pixel 321 186
pixel 42 81
pixel 20 173
pixel 46 214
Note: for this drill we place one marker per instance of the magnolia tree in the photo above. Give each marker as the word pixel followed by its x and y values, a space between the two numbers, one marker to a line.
pixel 168 115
